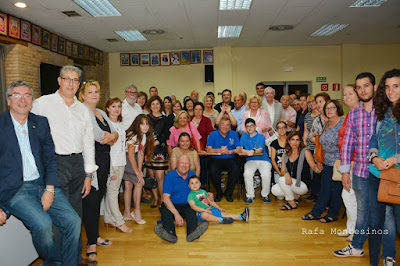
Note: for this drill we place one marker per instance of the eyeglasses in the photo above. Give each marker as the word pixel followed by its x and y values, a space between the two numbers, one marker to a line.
pixel 249 126
pixel 132 92
pixel 331 108
pixel 68 79
pixel 18 96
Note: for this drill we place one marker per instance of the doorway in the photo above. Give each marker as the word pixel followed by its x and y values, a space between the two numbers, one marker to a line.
pixel 289 87
pixel 3 105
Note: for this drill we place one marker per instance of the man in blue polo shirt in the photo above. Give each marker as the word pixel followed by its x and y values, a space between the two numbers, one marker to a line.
pixel 175 207
pixel 226 142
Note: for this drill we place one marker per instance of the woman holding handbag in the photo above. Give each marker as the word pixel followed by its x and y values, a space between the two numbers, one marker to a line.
pixel 384 155
pixel 330 190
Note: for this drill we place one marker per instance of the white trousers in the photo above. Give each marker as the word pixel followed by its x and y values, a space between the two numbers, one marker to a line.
pixel 281 189
pixel 264 168
pixel 350 202
pixel 112 212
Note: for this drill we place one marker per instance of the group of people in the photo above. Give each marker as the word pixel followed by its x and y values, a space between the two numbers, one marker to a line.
pixel 73 154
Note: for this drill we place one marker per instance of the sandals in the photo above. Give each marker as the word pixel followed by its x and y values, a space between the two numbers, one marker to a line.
pixel 91 256
pixel 154 205
pixel 327 219
pixel 105 243
pixel 288 207
pixel 309 217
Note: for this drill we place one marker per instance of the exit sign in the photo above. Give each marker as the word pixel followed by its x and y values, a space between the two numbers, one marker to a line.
pixel 321 79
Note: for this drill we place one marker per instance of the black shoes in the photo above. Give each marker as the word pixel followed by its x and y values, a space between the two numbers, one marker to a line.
pixel 197 232
pixel 249 201
pixel 218 197
pixel 162 233
pixel 229 198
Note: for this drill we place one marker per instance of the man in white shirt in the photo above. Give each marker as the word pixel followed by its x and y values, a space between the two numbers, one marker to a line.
pixel 130 109
pixel 238 111
pixel 290 113
pixel 274 109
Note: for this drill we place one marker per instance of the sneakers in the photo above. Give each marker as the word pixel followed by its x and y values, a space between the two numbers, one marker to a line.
pixel 246 214
pixel 266 199
pixel 249 201
pixel 197 232
pixel 388 261
pixel 349 251
pixel 162 233
pixel 227 220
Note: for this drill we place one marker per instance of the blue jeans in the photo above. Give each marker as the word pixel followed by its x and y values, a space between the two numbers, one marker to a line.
pixel 378 212
pixel 330 194
pixel 360 187
pixel 26 205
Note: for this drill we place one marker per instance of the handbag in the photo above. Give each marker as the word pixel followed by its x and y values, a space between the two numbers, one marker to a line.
pixel 337 176
pixel 193 143
pixel 319 152
pixel 150 183
pixel 389 186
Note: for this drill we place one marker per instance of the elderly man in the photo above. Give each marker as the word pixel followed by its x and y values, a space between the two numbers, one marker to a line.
pixel 238 111
pixel 292 97
pixel 173 98
pixel 130 109
pixel 194 95
pixel 29 179
pixel 225 142
pixel 290 113
pixel 274 109
pixel 226 100
pixel 296 105
pixel 175 207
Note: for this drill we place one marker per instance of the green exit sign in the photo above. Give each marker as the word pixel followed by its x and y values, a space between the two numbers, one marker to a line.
pixel 321 79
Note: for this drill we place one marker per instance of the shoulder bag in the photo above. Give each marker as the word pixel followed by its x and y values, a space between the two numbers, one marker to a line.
pixel 389 186
pixel 319 152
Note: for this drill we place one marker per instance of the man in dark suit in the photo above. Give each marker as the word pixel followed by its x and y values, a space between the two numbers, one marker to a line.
pixel 29 179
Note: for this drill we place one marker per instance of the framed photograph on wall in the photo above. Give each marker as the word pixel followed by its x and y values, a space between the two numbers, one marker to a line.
pixel 61 45
pixel 54 42
pixel 135 61
pixel 36 35
pixel 26 33
pixel 68 48
pixel 208 56
pixel 96 56
pixel 144 59
pixel 175 58
pixel 81 51
pixel 75 50
pixel 124 59
pixel 101 57
pixel 185 57
pixel 3 23
pixel 46 39
pixel 87 52
pixel 165 60
pixel 14 27
pixel 195 57
pixel 155 59
pixel 91 54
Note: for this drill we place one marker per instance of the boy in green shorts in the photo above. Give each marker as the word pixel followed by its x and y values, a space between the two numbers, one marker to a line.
pixel 209 210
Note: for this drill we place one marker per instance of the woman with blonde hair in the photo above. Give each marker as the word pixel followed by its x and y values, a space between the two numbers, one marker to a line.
pixel 259 115
pixel 209 110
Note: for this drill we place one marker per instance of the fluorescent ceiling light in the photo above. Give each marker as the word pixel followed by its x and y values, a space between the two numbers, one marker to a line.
pixel 20 5
pixel 329 29
pixel 229 31
pixel 368 3
pixel 131 35
pixel 98 8
pixel 234 4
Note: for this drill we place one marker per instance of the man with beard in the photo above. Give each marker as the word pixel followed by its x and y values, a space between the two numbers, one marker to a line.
pixel 130 110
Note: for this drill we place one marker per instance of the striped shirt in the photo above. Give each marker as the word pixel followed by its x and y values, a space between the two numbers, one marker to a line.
pixel 30 170
pixel 359 130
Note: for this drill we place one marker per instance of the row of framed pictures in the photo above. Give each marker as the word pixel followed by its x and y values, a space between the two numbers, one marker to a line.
pixel 23 30
pixel 167 58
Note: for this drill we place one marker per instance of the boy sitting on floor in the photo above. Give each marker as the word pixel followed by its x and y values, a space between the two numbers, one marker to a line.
pixel 208 210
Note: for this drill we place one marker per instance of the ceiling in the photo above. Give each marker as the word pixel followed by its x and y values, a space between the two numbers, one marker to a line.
pixel 191 24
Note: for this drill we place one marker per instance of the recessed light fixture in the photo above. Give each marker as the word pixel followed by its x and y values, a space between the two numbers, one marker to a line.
pixel 281 27
pixel 20 5
pixel 131 35
pixel 368 3
pixel 98 8
pixel 329 29
pixel 234 4
pixel 153 32
pixel 229 31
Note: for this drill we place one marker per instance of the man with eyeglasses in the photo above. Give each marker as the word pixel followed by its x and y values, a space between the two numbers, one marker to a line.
pixel 72 131
pixel 130 109
pixel 29 185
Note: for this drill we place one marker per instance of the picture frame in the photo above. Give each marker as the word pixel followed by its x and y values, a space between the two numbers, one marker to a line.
pixel 68 48
pixel 61 45
pixel 75 53
pixel 195 57
pixel 165 59
pixel 144 59
pixel 87 52
pixel 208 56
pixel 101 57
pixel 135 59
pixel 155 59
pixel 14 30
pixel 175 58
pixel 26 31
pixel 91 54
pixel 54 43
pixel 185 57
pixel 3 24
pixel 45 39
pixel 124 59
pixel 36 35
pixel 81 51
pixel 96 56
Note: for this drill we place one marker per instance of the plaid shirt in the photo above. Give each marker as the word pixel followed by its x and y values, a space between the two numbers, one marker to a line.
pixel 359 129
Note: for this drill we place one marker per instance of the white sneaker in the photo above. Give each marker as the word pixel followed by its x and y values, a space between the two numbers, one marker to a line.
pixel 349 251
pixel 388 261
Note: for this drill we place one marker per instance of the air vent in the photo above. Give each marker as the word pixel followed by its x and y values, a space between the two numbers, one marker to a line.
pixel 281 27
pixel 153 32
pixel 71 13
pixel 112 40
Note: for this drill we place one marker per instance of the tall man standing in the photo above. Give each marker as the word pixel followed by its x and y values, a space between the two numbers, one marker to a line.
pixel 290 113
pixel 274 109
pixel 260 87
pixel 130 109
pixel 29 179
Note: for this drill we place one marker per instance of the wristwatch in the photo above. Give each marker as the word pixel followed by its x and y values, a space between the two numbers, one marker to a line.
pixel 89 176
pixel 51 190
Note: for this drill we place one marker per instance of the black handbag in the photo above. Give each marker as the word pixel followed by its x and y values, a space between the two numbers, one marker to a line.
pixel 150 183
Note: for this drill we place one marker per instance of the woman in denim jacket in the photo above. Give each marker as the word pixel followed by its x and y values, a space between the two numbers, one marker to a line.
pixel 384 154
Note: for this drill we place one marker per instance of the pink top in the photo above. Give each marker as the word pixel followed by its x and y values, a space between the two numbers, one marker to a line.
pixel 174 136
pixel 262 121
